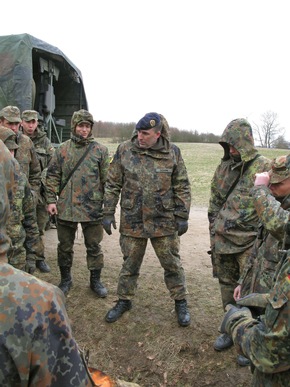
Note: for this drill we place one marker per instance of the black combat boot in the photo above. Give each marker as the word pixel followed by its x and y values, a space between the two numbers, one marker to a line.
pixel 222 342
pixel 117 311
pixel 96 285
pixel 66 279
pixel 183 315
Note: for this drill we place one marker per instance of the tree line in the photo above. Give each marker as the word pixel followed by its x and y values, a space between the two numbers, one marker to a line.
pixel 268 133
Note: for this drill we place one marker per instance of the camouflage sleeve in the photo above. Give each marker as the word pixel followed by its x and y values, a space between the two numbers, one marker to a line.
pixel 37 344
pixel 267 344
pixel 7 188
pixel 181 187
pixel 33 242
pixel 49 150
pixel 113 184
pixel 53 178
pixel 104 166
pixel 270 212
pixel 34 172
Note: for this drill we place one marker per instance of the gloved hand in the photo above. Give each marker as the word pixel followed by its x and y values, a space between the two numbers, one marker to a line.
pixel 181 225
pixel 233 317
pixel 109 220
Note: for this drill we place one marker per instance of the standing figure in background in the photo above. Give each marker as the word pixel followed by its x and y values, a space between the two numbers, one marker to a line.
pixel 75 184
pixel 26 244
pixel 44 151
pixel 233 220
pixel 25 155
pixel 149 173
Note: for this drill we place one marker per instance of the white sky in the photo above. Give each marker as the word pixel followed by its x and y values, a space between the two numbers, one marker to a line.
pixel 200 63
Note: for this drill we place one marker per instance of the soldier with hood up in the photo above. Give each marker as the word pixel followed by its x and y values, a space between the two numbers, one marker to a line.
pixel 75 183
pixel 233 220
pixel 149 173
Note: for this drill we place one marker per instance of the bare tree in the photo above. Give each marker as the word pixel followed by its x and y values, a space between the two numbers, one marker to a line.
pixel 269 129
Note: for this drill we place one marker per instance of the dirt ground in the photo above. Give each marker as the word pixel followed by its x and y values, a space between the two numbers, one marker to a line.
pixel 147 346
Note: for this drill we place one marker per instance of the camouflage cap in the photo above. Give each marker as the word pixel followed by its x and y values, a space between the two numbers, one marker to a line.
pixel 149 121
pixel 280 169
pixel 11 114
pixel 29 115
pixel 8 137
pixel 81 116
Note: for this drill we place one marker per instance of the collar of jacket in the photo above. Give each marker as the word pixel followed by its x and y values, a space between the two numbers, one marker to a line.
pixel 81 141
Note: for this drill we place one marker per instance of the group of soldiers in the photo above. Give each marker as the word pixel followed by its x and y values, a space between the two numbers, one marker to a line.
pixel 248 221
pixel 32 151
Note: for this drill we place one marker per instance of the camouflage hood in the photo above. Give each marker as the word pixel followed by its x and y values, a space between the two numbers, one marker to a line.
pixel 238 134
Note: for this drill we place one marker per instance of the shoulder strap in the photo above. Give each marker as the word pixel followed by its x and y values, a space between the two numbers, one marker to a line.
pixel 75 167
pixel 246 166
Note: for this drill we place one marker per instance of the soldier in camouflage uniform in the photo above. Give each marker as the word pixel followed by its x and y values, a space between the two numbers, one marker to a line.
pixel 266 340
pixel 36 343
pixel 149 173
pixel 80 198
pixel 25 155
pixel 44 151
pixel 8 176
pixel 271 195
pixel 233 220
pixel 26 244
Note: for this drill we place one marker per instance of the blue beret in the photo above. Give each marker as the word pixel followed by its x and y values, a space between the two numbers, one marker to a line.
pixel 149 121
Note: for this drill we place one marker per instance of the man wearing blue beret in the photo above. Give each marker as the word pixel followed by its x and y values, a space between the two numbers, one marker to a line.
pixel 149 173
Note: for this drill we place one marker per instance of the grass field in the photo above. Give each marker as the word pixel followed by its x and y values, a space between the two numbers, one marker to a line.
pixel 201 161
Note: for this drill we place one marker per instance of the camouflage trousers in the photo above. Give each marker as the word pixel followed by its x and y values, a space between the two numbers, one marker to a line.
pixel 17 252
pixel 167 251
pixel 42 218
pixel 229 269
pixel 93 235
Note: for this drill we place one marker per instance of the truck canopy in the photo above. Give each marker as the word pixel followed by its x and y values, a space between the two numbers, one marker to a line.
pixel 36 75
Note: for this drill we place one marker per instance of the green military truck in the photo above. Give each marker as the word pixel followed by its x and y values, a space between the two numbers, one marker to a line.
pixel 36 75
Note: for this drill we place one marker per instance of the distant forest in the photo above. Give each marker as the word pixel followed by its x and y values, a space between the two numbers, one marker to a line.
pixel 120 132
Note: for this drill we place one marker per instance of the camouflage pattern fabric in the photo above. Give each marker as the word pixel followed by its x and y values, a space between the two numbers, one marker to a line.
pixel 267 344
pixel 93 235
pixel 26 244
pixel 44 151
pixel 82 198
pixel 37 347
pixel 26 156
pixel 274 215
pixel 43 148
pixel 234 220
pixel 8 176
pixel 167 251
pixel 154 188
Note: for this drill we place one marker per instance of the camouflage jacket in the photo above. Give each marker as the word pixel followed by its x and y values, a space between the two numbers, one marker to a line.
pixel 8 177
pixel 37 347
pixel 43 148
pixel 274 216
pixel 29 164
pixel 267 344
pixel 233 220
pixel 26 243
pixel 81 200
pixel 154 188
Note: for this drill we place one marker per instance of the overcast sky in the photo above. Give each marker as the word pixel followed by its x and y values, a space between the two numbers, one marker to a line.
pixel 201 63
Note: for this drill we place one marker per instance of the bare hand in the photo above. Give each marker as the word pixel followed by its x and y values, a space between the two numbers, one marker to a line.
pixel 262 179
pixel 237 293
pixel 51 209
